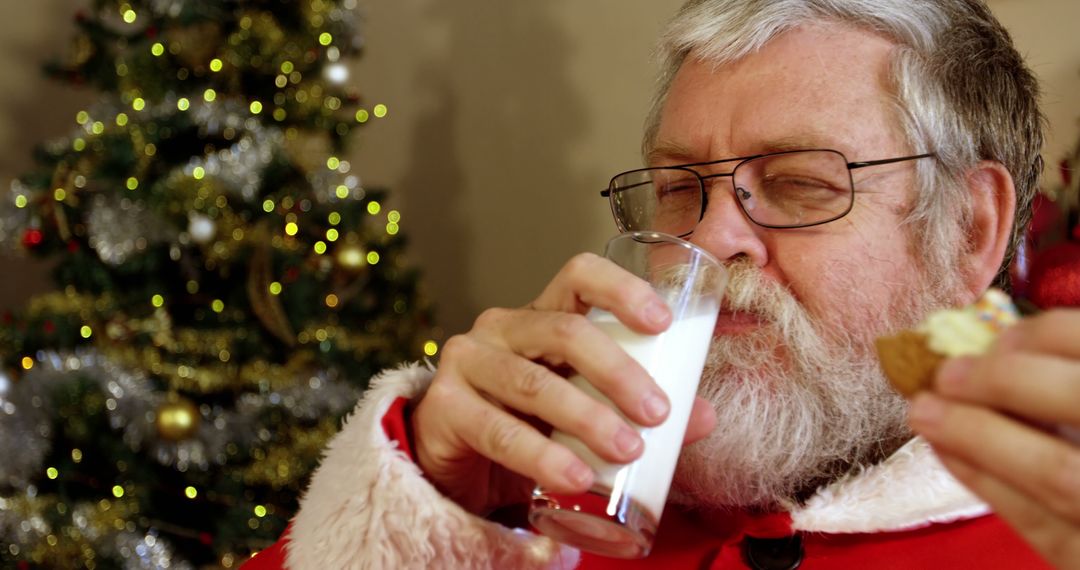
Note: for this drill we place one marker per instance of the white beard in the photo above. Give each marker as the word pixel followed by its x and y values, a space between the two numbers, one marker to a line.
pixel 800 401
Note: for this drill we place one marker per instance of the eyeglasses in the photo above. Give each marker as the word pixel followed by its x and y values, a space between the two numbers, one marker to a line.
pixel 791 189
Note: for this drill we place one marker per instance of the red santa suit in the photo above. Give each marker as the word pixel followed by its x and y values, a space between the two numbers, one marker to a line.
pixel 369 506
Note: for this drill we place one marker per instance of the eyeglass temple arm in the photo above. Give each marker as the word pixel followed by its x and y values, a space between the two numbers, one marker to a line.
pixel 854 165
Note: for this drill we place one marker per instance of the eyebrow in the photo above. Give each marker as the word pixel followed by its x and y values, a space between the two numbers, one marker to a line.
pixel 672 151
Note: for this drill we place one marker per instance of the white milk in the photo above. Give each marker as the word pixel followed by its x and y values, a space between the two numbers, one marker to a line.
pixel 675 359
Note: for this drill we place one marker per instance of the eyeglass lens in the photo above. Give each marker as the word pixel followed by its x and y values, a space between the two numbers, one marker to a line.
pixel 790 189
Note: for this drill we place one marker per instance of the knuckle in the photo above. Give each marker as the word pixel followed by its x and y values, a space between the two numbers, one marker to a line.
pixel 533 381
pixel 1066 484
pixel 582 263
pixel 596 423
pixel 569 326
pixel 500 436
pixel 490 318
pixel 456 348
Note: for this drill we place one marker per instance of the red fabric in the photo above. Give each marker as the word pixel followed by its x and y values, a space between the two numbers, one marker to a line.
pixel 985 543
pixel 272 558
pixel 686 541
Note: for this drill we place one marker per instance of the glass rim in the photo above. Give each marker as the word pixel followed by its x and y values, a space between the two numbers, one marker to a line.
pixel 656 237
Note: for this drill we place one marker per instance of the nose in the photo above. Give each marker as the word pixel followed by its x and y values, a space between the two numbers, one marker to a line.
pixel 726 232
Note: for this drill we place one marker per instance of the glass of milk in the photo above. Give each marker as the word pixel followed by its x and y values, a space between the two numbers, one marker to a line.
pixel 619 515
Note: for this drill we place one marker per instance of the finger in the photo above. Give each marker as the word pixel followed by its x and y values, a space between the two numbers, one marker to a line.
pixel 702 421
pixel 1032 461
pixel 1055 332
pixel 569 338
pixel 1037 386
pixel 532 389
pixel 514 444
pixel 1054 537
pixel 589 280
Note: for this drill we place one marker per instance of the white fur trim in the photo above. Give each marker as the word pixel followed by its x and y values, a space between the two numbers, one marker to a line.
pixel 910 489
pixel 369 506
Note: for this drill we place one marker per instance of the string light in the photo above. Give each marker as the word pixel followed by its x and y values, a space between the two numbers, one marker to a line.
pixel 138 104
pixel 332 234
pixel 191 492
pixel 374 207
pixel 85 331
pixel 209 95
pixel 431 348
pixel 121 119
pixel 268 205
pixel 117 491
pixel 52 473
pixel 275 288
pixel 380 110
pixel 256 107
pixel 158 49
pixel 27 363
pixel 216 65
pixel 342 191
pixel 183 104
pixel 82 117
pixel 325 38
pixel 373 257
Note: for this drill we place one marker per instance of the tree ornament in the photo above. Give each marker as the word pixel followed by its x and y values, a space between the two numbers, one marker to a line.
pixel 177 419
pixel 32 238
pixel 350 257
pixel 201 228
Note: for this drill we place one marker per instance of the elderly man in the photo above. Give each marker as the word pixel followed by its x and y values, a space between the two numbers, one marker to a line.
pixel 914 128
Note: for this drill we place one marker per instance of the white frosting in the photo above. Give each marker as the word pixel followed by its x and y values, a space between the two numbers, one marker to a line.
pixel 972 329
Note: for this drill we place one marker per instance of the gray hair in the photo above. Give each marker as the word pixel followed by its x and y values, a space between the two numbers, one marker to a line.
pixel 961 91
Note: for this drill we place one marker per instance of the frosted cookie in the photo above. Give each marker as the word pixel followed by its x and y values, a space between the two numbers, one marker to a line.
pixel 910 357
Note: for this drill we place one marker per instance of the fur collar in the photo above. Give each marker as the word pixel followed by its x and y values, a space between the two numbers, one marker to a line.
pixel 369 506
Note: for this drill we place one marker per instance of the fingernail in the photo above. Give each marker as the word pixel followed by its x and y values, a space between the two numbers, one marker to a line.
pixel 926 409
pixel 627 441
pixel 579 474
pixel 954 373
pixel 656 312
pixel 656 406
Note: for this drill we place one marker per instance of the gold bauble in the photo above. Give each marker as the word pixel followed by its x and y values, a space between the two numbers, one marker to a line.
pixel 177 419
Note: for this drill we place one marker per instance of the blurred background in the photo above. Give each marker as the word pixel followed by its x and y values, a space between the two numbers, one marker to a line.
pixel 252 206
pixel 504 119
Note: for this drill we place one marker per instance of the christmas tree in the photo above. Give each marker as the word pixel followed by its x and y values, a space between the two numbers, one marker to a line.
pixel 225 286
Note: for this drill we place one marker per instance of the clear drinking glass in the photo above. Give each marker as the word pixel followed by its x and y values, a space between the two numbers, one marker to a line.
pixel 619 515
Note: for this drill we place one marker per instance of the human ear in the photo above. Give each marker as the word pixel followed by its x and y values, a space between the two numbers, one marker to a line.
pixel 993 205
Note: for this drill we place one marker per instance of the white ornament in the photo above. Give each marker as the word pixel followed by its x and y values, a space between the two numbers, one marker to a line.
pixel 336 73
pixel 201 229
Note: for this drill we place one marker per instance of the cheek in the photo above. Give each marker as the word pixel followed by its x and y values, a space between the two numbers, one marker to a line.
pixel 845 281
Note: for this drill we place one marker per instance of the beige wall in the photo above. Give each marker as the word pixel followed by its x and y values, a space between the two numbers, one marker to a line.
pixel 505 120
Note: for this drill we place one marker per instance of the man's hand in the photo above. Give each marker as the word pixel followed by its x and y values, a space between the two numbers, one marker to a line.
pixel 482 429
pixel 996 423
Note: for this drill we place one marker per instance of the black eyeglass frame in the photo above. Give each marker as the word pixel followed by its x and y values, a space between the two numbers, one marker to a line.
pixel 610 192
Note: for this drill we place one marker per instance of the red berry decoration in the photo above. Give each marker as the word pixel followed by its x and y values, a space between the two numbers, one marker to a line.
pixel 32 238
pixel 1055 276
